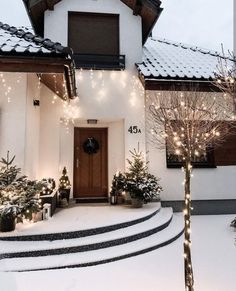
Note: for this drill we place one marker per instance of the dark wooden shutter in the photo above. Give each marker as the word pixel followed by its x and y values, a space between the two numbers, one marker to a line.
pixel 93 33
pixel 225 154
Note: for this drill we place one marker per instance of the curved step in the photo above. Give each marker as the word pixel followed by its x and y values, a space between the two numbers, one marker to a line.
pixel 79 233
pixel 101 256
pixel 122 236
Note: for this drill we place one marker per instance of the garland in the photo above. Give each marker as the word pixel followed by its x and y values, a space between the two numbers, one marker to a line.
pixel 91 146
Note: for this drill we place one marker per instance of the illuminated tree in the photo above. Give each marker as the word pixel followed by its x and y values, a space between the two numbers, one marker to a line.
pixel 225 77
pixel 188 122
pixel 64 182
pixel 225 81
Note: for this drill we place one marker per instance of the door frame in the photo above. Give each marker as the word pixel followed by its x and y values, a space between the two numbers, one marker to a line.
pixel 91 199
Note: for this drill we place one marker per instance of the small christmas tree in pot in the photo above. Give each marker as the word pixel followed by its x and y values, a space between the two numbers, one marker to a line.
pixel 64 186
pixel 117 187
pixel 142 186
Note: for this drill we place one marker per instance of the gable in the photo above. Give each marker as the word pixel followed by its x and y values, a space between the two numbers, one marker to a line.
pixel 149 10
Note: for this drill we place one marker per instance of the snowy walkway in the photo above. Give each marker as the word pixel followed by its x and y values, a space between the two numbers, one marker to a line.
pixel 79 217
pixel 214 263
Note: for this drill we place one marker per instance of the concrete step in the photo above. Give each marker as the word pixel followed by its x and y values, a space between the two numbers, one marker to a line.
pixel 155 224
pixel 81 222
pixel 99 256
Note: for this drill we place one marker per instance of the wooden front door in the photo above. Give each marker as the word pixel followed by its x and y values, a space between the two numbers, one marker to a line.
pixel 90 163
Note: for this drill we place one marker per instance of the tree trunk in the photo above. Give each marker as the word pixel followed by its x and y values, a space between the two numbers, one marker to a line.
pixel 189 281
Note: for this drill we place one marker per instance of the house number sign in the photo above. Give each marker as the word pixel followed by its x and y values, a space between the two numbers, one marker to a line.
pixel 133 129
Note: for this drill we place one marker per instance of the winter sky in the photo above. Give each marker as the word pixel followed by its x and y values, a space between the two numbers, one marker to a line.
pixel 205 23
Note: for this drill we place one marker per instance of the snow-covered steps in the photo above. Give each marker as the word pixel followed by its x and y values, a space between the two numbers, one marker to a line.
pixel 155 224
pixel 81 222
pixel 99 256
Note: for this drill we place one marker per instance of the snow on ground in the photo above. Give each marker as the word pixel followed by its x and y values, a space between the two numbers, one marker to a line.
pixel 80 216
pixel 214 263
pixel 160 218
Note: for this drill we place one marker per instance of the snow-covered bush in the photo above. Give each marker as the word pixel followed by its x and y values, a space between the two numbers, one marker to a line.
pixel 19 196
pixel 48 186
pixel 137 181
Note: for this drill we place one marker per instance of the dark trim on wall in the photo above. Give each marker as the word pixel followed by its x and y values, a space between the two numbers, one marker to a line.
pixel 170 84
pixel 205 207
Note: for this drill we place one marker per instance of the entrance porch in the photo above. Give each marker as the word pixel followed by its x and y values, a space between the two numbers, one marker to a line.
pixel 85 236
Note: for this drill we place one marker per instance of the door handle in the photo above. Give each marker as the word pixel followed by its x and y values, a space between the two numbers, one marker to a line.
pixel 77 163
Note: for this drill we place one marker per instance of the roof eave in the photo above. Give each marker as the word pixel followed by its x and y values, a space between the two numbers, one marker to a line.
pixel 179 84
pixel 42 65
pixel 146 36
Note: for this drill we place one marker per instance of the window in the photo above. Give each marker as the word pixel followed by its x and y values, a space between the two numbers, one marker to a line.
pixel 225 154
pixel 206 160
pixel 222 155
pixel 94 38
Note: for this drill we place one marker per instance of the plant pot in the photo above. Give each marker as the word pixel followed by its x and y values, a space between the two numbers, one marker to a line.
pixel 37 216
pixel 127 198
pixel 65 193
pixel 120 199
pixel 7 223
pixel 137 203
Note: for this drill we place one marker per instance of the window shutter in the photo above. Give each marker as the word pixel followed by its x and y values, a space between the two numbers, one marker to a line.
pixel 93 33
pixel 225 154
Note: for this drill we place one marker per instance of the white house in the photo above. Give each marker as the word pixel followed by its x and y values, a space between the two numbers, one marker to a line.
pixel 117 69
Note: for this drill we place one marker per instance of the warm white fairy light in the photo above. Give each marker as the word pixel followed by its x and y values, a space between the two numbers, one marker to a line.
pixel 6 87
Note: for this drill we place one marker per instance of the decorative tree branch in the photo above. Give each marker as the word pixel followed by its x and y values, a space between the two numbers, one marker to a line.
pixel 225 76
pixel 225 81
pixel 188 122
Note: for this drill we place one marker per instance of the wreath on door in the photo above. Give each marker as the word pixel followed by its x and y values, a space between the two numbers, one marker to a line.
pixel 91 146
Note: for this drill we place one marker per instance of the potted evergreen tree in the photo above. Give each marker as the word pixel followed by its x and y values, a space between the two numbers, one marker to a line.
pixel 117 187
pixel 19 197
pixel 64 186
pixel 142 186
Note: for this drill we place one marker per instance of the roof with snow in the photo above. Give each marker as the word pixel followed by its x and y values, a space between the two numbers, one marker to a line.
pixel 20 41
pixel 163 59
pixel 22 51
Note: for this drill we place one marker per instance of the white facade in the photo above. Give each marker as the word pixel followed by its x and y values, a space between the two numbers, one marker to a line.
pixel 19 120
pixel 114 98
pixel 206 183
pixel 44 144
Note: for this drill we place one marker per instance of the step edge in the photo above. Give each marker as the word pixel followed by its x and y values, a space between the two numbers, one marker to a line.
pixel 88 247
pixel 79 233
pixel 157 220
pixel 105 261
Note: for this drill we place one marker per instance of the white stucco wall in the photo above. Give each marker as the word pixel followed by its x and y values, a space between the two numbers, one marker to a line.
pixel 115 107
pixel 19 120
pixel 56 24
pixel 49 141
pixel 12 116
pixel 216 183
pixel 114 98
pixel 32 127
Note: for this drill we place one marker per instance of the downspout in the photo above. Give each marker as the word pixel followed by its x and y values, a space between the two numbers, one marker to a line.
pixel 70 80
pixel 70 74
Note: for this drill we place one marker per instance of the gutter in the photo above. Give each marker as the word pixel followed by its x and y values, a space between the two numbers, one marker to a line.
pixel 34 64
pixel 70 80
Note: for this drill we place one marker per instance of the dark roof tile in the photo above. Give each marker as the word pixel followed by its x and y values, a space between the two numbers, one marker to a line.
pixel 177 60
pixel 14 40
